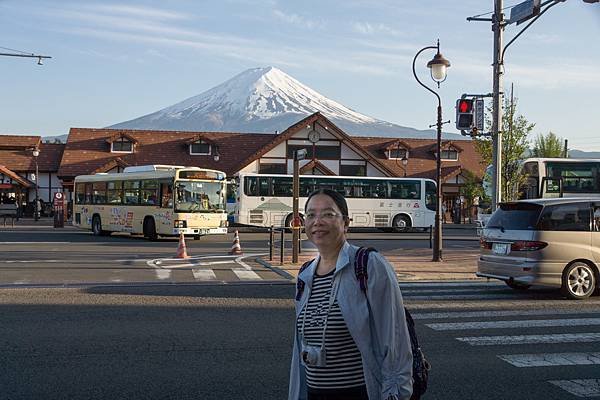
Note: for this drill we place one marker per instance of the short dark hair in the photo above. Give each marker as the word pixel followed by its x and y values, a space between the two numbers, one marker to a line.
pixel 337 198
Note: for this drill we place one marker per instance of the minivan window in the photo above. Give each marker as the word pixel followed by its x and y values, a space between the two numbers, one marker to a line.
pixel 515 216
pixel 566 217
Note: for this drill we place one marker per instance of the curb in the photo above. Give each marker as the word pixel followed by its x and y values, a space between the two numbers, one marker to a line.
pixel 278 271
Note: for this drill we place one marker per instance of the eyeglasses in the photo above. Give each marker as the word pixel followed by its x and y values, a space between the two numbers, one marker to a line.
pixel 326 216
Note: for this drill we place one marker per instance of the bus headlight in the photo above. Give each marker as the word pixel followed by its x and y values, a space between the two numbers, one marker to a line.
pixel 180 223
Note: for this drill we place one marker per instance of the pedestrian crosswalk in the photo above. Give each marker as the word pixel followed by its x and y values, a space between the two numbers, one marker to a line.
pixel 556 345
pixel 221 274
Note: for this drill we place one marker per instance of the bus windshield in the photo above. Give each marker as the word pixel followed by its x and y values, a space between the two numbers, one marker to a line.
pixel 193 196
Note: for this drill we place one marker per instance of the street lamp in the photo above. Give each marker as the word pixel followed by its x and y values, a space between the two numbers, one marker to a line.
pixel 36 153
pixel 438 67
pixel 404 160
pixel 298 155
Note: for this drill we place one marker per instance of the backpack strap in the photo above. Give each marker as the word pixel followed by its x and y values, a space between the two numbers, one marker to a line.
pixel 361 259
pixel 300 284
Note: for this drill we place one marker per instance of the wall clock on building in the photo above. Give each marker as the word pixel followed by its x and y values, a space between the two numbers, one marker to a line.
pixel 313 136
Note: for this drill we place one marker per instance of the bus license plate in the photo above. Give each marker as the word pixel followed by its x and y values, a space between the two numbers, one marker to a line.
pixel 500 248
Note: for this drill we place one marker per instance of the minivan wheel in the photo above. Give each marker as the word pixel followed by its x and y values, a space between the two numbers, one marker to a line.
pixel 517 286
pixel 578 281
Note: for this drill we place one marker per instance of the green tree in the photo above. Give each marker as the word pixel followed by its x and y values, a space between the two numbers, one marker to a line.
pixel 516 128
pixel 547 146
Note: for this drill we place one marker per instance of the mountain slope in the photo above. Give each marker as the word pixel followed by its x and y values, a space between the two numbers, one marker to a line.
pixel 265 100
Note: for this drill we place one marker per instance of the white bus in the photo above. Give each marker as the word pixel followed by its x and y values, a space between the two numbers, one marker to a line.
pixel 560 177
pixel 398 203
pixel 152 200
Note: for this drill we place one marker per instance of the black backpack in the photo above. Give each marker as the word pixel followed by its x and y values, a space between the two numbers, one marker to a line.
pixel 421 367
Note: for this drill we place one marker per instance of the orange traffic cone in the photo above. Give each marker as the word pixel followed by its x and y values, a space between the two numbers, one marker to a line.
pixel 235 247
pixel 181 249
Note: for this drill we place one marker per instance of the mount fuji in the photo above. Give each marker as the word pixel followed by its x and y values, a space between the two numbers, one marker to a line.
pixel 265 100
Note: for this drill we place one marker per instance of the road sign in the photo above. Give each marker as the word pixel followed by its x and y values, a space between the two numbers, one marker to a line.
pixel 524 11
pixel 479 114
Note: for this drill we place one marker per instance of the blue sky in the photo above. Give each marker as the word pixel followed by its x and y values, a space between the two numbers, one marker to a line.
pixel 114 61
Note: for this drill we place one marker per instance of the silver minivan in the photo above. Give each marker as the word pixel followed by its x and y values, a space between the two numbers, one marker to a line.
pixel 550 242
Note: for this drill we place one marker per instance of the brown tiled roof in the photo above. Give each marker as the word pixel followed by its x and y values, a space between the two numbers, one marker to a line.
pixel 21 159
pixel 17 142
pixel 87 150
pixel 22 181
pixel 421 159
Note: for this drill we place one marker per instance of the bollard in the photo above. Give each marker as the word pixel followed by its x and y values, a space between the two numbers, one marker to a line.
pixel 271 244
pixel 430 236
pixel 281 251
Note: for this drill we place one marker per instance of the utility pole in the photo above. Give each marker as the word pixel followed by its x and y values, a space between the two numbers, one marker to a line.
pixel 498 92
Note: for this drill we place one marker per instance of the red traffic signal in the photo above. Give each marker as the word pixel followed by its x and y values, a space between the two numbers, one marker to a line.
pixel 465 105
pixel 465 114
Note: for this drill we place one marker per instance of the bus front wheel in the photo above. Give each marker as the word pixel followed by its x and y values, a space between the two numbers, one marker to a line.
pixel 150 229
pixel 401 223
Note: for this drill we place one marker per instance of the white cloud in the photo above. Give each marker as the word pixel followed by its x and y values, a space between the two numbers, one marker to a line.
pixel 367 28
pixel 296 19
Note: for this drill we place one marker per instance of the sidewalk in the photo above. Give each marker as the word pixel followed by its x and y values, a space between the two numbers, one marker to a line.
pixel 410 265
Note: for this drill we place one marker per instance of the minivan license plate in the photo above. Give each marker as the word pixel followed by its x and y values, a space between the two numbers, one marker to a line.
pixel 500 248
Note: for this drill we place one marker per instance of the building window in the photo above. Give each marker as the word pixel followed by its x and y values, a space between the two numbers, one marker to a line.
pixel 449 155
pixel 200 147
pixel 122 145
pixel 353 170
pixel 397 154
pixel 272 168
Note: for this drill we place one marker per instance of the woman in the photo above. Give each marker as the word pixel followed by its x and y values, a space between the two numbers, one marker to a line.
pixel 346 346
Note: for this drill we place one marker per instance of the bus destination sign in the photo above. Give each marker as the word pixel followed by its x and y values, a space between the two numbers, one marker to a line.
pixel 201 175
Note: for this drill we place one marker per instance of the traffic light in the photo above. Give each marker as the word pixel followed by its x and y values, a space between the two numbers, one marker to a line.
pixel 465 114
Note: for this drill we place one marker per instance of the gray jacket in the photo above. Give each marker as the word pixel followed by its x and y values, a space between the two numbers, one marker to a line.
pixel 382 340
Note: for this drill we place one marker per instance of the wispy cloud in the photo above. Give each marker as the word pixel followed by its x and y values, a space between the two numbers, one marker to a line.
pixel 136 11
pixel 295 19
pixel 367 28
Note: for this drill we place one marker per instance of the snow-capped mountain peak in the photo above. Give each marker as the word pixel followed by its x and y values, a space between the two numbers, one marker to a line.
pixel 262 100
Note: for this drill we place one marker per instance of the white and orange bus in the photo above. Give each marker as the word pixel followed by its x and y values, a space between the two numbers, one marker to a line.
pixel 152 200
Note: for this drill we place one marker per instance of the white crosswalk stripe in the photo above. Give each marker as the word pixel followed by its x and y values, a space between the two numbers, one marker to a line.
pixel 551 359
pixel 580 387
pixel 204 274
pixel 246 275
pixel 530 323
pixel 519 331
pixel 493 314
pixel 531 339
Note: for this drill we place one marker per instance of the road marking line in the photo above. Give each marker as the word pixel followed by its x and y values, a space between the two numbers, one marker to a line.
pixel 28 261
pixel 551 359
pixel 204 274
pixel 491 296
pixel 163 274
pixel 450 284
pixel 531 339
pixel 490 314
pixel 244 274
pixel 479 289
pixel 580 387
pixel 35 243
pixel 529 323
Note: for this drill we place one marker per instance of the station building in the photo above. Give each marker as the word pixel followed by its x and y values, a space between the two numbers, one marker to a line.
pixel 330 151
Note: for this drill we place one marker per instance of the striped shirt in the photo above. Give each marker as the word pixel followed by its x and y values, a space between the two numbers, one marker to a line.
pixel 343 360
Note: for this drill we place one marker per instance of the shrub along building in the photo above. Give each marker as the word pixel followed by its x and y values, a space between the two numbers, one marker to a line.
pixel 330 151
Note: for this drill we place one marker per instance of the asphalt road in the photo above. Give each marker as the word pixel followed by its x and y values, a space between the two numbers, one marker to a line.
pixel 234 342
pixel 45 256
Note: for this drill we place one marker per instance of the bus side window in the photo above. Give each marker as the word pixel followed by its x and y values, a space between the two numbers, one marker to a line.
pixel 166 190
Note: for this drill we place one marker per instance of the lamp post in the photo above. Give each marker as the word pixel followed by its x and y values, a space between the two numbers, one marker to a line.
pixel 438 66
pixel 36 153
pixel 298 155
